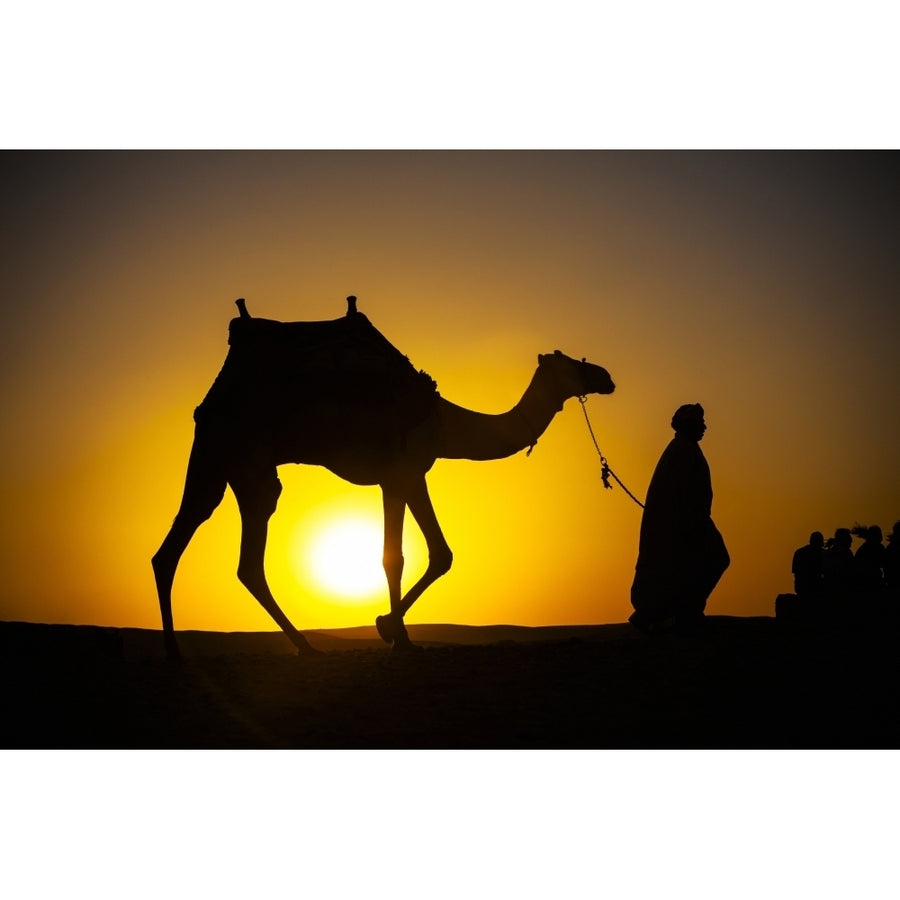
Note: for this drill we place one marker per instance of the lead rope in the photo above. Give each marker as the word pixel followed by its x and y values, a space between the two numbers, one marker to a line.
pixel 605 471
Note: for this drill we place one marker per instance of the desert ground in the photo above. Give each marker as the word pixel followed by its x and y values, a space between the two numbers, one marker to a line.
pixel 753 683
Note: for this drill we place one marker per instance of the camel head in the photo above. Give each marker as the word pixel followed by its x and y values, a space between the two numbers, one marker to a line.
pixel 574 378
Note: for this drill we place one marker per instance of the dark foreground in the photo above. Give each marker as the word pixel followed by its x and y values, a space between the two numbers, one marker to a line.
pixel 745 683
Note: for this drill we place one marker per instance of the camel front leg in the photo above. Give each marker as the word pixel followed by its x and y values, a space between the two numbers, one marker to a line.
pixel 390 627
pixel 257 499
pixel 440 558
pixel 392 557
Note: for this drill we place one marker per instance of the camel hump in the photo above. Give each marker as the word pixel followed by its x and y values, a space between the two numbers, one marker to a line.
pixel 345 364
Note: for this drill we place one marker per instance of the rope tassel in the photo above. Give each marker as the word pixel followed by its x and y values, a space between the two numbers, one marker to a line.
pixel 605 471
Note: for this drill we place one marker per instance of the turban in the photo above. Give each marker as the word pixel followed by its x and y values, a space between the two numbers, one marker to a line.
pixel 687 417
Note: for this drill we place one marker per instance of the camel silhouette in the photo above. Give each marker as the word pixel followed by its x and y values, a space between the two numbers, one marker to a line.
pixel 338 394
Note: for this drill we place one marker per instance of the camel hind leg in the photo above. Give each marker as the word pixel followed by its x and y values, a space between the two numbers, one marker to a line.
pixel 257 495
pixel 204 488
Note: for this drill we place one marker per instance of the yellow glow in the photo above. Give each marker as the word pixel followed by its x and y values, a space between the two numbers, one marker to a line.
pixel 345 557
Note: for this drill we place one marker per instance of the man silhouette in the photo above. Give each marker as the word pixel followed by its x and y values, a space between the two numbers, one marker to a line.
pixel 869 559
pixel 806 567
pixel 839 571
pixel 892 561
pixel 681 555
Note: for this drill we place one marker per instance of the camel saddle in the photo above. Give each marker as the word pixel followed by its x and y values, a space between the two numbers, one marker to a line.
pixel 315 381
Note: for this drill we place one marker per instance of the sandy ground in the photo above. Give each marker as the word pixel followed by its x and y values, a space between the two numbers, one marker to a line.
pixel 745 683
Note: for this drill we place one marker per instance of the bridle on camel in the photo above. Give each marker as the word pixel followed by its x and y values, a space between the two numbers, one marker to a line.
pixel 605 471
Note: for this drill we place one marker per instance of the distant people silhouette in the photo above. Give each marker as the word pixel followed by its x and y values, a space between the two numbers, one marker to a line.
pixel 807 566
pixel 681 554
pixel 838 568
pixel 869 558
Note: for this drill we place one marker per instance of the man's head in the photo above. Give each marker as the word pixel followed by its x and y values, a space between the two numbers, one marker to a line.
pixel 817 539
pixel 688 421
pixel 843 537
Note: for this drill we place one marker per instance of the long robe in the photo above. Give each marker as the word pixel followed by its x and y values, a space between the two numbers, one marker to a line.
pixel 681 554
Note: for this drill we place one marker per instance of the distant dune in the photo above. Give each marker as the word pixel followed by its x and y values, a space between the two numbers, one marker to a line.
pixel 745 683
pixel 23 637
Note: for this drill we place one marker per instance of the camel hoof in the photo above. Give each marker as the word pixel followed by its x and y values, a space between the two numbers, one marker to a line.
pixel 384 625
pixel 402 643
pixel 304 648
pixel 652 626
pixel 394 633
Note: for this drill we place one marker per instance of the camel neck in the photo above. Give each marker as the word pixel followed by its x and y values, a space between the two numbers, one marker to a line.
pixel 466 434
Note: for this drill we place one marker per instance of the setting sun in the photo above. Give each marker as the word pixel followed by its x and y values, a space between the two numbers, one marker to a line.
pixel 345 557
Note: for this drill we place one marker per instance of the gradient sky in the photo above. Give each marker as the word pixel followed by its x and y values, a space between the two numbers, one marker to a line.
pixel 760 284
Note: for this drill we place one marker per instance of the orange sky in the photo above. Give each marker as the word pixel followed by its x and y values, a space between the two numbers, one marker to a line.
pixel 762 285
